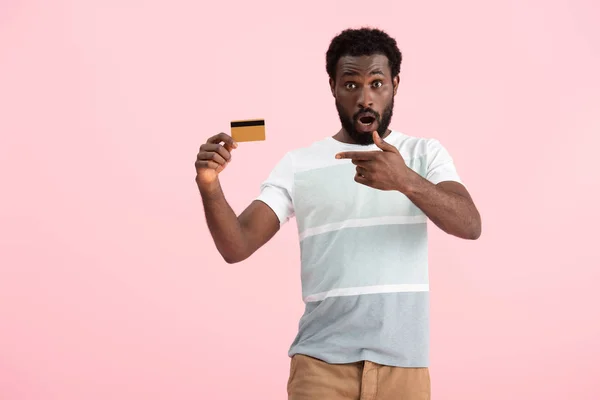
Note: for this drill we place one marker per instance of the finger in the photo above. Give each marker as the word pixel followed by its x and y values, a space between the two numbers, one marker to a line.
pixel 356 161
pixel 217 148
pixel 209 164
pixel 223 137
pixel 357 155
pixel 211 156
pixel 382 144
pixel 361 179
pixel 362 171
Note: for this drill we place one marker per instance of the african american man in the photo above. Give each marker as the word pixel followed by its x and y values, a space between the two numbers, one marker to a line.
pixel 361 199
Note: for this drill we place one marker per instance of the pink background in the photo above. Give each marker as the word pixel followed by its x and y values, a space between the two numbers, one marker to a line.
pixel 110 285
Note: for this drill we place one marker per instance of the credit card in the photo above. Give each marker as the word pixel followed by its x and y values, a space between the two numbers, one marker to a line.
pixel 249 130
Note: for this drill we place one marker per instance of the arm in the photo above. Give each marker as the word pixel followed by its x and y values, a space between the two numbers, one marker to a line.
pixel 237 238
pixel 448 204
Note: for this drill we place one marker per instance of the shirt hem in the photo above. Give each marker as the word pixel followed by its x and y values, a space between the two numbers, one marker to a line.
pixel 363 356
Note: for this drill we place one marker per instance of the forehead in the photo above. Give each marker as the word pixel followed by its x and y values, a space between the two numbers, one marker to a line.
pixel 363 64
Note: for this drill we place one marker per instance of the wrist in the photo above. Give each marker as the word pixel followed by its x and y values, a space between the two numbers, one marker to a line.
pixel 208 188
pixel 411 183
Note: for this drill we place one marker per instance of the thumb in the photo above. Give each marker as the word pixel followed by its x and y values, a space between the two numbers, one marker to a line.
pixel 382 144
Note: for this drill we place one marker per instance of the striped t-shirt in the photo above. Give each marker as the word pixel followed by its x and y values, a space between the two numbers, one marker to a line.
pixel 364 261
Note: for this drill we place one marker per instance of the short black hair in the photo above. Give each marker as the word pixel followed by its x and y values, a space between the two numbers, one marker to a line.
pixel 363 42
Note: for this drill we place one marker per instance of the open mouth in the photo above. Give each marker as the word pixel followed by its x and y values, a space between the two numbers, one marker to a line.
pixel 367 120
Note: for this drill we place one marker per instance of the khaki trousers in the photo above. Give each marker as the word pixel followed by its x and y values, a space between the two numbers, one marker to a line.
pixel 313 379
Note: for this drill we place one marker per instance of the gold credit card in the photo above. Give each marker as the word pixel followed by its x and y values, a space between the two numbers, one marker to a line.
pixel 248 130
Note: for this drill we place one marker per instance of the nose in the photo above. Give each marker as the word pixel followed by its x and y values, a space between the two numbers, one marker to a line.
pixel 365 99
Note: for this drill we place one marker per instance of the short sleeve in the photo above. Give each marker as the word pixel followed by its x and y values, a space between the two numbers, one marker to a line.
pixel 276 190
pixel 440 166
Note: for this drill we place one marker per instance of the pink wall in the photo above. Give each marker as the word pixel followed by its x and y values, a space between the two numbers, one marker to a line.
pixel 110 285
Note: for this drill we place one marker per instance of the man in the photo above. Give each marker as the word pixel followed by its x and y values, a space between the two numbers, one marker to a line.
pixel 361 199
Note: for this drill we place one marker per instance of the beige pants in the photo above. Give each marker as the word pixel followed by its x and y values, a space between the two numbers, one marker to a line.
pixel 313 379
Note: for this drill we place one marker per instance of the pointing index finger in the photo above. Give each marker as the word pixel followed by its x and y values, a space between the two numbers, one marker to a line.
pixel 356 155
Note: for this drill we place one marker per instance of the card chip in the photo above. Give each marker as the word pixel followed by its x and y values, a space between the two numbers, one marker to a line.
pixel 248 130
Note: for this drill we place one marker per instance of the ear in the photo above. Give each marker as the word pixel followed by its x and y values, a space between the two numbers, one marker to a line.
pixel 396 82
pixel 332 86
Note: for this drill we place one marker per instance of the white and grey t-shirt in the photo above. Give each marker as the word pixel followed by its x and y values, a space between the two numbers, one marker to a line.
pixel 364 257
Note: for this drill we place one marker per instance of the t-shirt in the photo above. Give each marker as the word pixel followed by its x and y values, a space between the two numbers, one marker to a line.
pixel 363 252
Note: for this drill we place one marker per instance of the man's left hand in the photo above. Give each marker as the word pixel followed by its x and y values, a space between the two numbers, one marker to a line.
pixel 383 170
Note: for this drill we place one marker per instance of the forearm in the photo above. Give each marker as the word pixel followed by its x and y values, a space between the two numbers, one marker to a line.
pixel 223 224
pixel 454 213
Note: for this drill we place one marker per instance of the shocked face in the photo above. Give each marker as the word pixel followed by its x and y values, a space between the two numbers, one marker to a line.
pixel 364 91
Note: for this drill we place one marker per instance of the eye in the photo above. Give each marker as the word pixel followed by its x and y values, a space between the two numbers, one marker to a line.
pixel 377 84
pixel 350 85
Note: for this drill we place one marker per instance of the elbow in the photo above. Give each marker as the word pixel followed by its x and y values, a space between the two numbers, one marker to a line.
pixel 470 230
pixel 474 235
pixel 234 252
pixel 468 235
pixel 234 258
pixel 475 231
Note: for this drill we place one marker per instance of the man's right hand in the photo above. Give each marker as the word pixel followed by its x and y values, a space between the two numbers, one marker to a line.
pixel 213 157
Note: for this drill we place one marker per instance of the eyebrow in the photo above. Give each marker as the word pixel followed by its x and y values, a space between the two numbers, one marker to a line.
pixel 354 73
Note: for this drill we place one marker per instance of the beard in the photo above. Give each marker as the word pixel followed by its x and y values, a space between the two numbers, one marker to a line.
pixel 349 123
